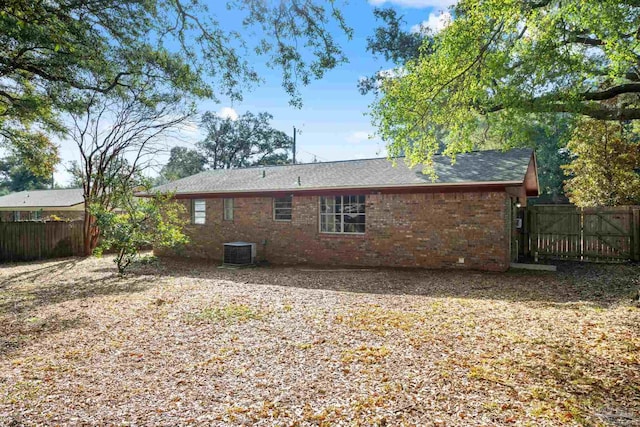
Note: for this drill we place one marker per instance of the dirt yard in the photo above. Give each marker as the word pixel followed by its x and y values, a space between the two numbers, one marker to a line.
pixel 178 343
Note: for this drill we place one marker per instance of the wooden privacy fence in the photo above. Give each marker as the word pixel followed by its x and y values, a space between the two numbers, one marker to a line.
pixel 24 241
pixel 584 234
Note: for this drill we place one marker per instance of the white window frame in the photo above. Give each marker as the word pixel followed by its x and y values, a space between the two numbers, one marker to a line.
pixel 195 218
pixel 36 215
pixel 227 209
pixel 16 216
pixel 342 214
pixel 277 208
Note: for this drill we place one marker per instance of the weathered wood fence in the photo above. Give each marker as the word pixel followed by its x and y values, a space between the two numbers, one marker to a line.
pixel 584 234
pixel 24 241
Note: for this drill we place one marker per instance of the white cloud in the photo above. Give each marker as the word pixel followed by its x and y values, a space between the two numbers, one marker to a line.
pixel 357 137
pixel 416 4
pixel 433 25
pixel 228 113
pixel 392 73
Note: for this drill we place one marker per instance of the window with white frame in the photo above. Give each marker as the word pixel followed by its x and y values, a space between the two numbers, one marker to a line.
pixel 36 215
pixel 198 209
pixel 16 215
pixel 228 209
pixel 342 214
pixel 282 208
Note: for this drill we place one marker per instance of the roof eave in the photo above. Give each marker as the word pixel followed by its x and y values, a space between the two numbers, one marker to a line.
pixel 531 182
pixel 416 188
pixel 75 206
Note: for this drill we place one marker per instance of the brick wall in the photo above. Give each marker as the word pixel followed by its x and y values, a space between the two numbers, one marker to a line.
pixel 404 230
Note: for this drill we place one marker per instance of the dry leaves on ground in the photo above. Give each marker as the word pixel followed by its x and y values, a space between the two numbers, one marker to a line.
pixel 178 343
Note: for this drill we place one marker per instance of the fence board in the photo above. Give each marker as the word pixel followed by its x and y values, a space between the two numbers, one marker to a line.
pixel 24 241
pixel 593 234
pixel 556 231
pixel 635 229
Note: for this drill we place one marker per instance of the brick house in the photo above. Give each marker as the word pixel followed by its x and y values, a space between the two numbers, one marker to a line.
pixel 43 205
pixel 363 212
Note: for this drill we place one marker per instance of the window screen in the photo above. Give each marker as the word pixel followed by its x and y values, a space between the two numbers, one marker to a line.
pixel 228 209
pixel 199 212
pixel 282 208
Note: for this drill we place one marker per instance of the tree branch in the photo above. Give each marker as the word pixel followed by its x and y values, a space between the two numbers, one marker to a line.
pixel 612 92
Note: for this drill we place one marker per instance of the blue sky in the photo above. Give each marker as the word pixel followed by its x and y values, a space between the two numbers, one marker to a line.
pixel 333 123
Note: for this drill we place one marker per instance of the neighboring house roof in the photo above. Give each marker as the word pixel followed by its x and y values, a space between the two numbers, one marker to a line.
pixel 57 198
pixel 481 167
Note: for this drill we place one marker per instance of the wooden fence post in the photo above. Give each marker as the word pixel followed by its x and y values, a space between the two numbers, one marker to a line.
pixel 526 232
pixel 533 232
pixel 635 235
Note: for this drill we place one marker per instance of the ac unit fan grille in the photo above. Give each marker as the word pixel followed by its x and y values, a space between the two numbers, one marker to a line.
pixel 237 255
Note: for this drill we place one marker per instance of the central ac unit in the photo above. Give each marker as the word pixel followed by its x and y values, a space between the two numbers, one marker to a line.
pixel 239 253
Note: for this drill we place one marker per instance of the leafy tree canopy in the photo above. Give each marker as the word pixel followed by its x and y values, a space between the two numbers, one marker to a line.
pixel 250 140
pixel 552 155
pixel 392 43
pixel 55 52
pixel 399 46
pixel 182 162
pixel 504 64
pixel 605 166
pixel 15 176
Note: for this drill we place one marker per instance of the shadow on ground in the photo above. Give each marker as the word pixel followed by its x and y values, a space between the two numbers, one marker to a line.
pixel 28 286
pixel 598 284
pixel 58 281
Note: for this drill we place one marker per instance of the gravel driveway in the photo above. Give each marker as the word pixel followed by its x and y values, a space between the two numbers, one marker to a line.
pixel 180 343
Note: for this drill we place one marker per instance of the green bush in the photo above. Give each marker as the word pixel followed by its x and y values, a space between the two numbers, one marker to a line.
pixel 138 223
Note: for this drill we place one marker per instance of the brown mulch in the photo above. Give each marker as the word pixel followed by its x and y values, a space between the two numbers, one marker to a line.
pixel 179 343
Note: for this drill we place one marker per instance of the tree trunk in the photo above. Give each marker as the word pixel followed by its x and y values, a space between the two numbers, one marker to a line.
pixel 90 232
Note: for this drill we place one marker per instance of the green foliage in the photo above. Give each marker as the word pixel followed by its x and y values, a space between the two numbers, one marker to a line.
pixel 139 223
pixel 551 156
pixel 182 162
pixel 501 66
pixel 392 43
pixel 55 54
pixel 15 176
pixel 605 168
pixel 34 148
pixel 249 140
pixel 549 140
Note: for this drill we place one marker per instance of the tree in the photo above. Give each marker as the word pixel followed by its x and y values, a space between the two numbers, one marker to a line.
pixel 548 140
pixel 399 47
pixel 118 139
pixel 249 140
pixel 393 44
pixel 182 162
pixel 139 223
pixel 56 53
pixel 552 155
pixel 77 175
pixel 15 176
pixel 605 165
pixel 505 64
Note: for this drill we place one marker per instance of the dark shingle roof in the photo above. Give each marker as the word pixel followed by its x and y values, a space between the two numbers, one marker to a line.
pixel 43 198
pixel 476 167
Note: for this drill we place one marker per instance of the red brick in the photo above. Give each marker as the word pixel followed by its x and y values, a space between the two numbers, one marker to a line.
pixel 402 230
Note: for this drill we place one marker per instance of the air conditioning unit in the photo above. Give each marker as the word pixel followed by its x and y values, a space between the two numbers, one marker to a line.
pixel 239 253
